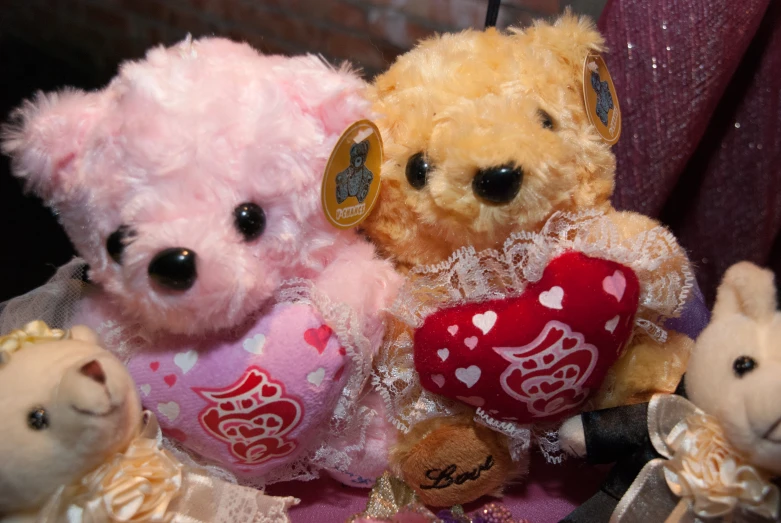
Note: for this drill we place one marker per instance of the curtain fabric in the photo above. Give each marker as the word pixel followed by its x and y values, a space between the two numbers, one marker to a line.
pixel 699 83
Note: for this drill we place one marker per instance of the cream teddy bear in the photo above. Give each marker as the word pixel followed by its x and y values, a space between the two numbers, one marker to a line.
pixel 76 446
pixel 713 457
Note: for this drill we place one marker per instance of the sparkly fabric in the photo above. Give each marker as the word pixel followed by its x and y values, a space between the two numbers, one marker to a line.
pixel 495 513
pixel 701 101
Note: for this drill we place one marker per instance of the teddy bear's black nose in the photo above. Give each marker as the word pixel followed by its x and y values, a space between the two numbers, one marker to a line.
pixel 498 184
pixel 174 269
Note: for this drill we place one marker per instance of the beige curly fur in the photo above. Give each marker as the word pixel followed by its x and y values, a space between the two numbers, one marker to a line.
pixel 471 101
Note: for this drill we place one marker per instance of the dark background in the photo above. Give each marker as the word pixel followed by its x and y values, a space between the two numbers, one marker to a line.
pixel 33 244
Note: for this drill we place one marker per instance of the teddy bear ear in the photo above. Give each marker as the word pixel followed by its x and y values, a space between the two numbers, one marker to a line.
pixel 746 289
pixel 570 38
pixel 45 136
pixel 336 96
pixel 85 334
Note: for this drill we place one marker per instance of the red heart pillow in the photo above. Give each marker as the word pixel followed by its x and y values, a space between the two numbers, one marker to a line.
pixel 535 357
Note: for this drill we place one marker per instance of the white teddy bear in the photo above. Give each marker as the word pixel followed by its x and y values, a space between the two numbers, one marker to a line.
pixel 76 446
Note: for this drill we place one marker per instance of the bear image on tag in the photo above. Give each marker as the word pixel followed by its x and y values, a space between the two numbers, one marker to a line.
pixel 351 182
pixel 356 180
pixel 599 95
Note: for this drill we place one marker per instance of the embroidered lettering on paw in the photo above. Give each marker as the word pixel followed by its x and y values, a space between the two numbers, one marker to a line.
pixel 443 478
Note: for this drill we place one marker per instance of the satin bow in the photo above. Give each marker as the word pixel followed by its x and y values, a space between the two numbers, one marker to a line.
pixel 146 483
pixel 701 475
pixel 34 332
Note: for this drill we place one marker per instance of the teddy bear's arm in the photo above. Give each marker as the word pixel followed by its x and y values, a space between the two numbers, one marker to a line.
pixel 608 435
pixel 367 284
pixel 647 368
pixel 617 435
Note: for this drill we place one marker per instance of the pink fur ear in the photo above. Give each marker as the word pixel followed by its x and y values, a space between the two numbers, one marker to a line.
pixel 348 105
pixel 337 97
pixel 44 139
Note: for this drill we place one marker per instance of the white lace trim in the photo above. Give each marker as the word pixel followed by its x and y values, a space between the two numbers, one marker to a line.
pixel 245 506
pixel 57 302
pixel 345 434
pixel 469 276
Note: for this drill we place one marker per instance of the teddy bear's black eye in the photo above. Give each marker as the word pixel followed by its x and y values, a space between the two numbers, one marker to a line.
pixel 545 118
pixel 115 244
pixel 498 185
pixel 417 170
pixel 37 419
pixel 250 220
pixel 743 365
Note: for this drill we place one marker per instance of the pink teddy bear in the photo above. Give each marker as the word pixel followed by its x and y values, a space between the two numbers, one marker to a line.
pixel 191 187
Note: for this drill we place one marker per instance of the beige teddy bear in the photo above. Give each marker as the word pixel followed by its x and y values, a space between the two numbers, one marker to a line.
pixel 76 446
pixel 489 146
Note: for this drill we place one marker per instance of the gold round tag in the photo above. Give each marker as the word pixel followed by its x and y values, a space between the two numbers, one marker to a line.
pixel 351 183
pixel 599 93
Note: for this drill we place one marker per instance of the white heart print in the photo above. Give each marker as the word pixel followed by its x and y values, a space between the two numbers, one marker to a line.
pixel 254 345
pixel 469 375
pixel 453 329
pixel 471 342
pixel 552 298
pixel 443 354
pixel 615 285
pixel 316 377
pixel 439 379
pixel 146 389
pixel 170 410
pixel 611 325
pixel 485 322
pixel 186 360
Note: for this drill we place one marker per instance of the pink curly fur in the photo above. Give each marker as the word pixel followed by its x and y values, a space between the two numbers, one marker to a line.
pixel 170 147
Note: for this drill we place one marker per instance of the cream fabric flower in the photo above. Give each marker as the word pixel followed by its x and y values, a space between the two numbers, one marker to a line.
pixel 138 485
pixel 148 484
pixel 707 470
pixel 33 332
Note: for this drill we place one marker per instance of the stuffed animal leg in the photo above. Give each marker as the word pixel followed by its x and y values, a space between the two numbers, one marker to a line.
pixel 608 436
pixel 450 461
